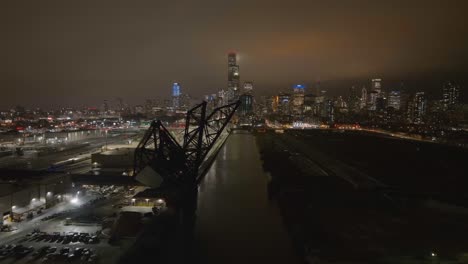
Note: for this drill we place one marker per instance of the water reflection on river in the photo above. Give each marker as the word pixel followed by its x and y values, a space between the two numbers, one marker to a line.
pixel 236 222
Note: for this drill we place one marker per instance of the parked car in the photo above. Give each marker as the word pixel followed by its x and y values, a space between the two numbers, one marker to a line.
pixel 41 251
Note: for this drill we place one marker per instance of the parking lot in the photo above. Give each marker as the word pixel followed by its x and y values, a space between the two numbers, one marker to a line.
pixel 67 236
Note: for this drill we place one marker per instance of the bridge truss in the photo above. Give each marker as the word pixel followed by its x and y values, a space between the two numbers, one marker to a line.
pixel 178 164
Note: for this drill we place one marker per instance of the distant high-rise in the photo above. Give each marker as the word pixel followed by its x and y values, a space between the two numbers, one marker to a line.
pixel 419 107
pixel 298 99
pixel 283 103
pixel 246 106
pixel 329 111
pixel 394 100
pixel 450 95
pixel 176 95
pixel 105 106
pixel 176 89
pixel 233 77
pixel 376 90
pixel 363 98
pixel 377 85
pixel 248 87
pixel 372 103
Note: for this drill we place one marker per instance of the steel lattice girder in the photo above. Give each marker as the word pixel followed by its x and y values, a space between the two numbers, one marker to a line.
pixel 176 163
pixel 161 151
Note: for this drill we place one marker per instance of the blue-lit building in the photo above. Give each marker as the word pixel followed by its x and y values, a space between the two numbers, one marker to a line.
pixel 297 106
pixel 176 89
pixel 176 95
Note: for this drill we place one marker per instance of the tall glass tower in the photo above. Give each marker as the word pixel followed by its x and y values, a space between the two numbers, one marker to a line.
pixel 233 77
pixel 176 95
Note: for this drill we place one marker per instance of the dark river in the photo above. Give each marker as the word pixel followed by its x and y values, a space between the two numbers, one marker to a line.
pixel 236 223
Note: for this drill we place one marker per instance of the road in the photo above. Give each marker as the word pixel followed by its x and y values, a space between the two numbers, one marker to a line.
pixel 62 153
pixel 236 223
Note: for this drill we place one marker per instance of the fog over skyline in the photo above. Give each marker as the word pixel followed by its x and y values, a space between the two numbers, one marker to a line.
pixel 57 53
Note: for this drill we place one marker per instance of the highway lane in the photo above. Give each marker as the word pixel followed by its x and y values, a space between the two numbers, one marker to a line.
pixel 236 223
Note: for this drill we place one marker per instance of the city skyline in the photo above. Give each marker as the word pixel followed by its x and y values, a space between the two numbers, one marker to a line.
pixel 89 52
pixel 334 89
pixel 304 131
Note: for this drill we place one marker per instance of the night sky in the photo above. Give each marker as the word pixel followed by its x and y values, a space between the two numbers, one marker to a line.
pixel 56 52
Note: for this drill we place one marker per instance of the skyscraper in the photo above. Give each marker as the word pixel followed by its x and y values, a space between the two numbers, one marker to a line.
pixel 363 97
pixel 284 103
pixel 394 100
pixel 246 106
pixel 298 99
pixel 450 95
pixel 329 111
pixel 377 85
pixel 175 95
pixel 233 77
pixel 376 90
pixel 105 107
pixel 419 107
pixel 248 87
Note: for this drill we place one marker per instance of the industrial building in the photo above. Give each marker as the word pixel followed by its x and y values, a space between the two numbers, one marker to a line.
pixel 23 192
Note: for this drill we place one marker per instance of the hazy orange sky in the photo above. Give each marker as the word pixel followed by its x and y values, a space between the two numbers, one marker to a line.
pixel 56 52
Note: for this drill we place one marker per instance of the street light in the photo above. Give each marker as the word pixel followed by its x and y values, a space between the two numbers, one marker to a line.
pixel 147 201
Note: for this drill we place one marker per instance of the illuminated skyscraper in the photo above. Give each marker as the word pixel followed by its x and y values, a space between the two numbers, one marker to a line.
pixel 233 77
pixel 283 101
pixel 376 90
pixel 377 85
pixel 363 98
pixel 419 107
pixel 248 87
pixel 450 95
pixel 394 100
pixel 246 106
pixel 298 99
pixel 176 95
